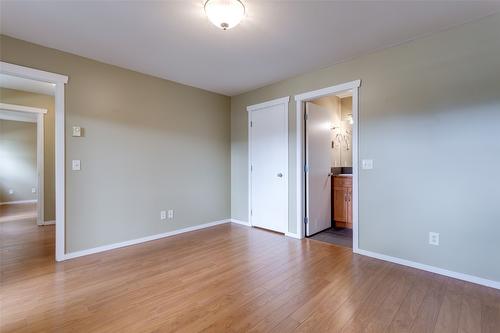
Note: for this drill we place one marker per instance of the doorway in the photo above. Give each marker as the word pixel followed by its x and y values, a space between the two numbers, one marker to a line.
pixel 268 165
pixel 56 82
pixel 22 152
pixel 328 146
pixel 327 183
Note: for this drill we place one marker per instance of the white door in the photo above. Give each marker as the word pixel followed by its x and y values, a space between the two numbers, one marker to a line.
pixel 318 156
pixel 269 168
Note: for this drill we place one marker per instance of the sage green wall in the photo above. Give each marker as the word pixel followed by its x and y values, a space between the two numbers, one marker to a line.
pixel 430 120
pixel 17 160
pixel 149 144
pixel 18 97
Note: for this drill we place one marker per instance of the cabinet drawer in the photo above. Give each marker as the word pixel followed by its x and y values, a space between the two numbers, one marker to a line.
pixel 342 181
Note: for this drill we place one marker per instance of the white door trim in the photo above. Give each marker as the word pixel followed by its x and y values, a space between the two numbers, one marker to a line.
pixel 300 100
pixel 285 101
pixel 21 108
pixel 38 113
pixel 58 81
pixel 277 101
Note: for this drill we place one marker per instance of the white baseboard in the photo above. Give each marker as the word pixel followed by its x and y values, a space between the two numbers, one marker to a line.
pixel 103 248
pixel 291 234
pixel 17 202
pixel 247 224
pixel 432 269
pixel 49 222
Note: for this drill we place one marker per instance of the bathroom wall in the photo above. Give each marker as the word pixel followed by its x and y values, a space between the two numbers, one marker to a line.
pixel 346 129
pixel 341 135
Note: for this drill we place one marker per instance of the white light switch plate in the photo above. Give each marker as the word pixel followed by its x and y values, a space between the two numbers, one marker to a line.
pixel 163 215
pixel 33 190
pixel 367 164
pixel 77 131
pixel 170 213
pixel 11 191
pixel 75 165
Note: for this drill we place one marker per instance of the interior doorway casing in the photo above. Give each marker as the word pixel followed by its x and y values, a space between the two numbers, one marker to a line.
pixel 59 82
pixel 301 160
pixel 38 114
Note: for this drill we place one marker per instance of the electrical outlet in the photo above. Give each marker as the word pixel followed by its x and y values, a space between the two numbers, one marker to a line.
pixel 434 238
pixel 11 191
pixel 170 213
pixel 33 190
pixel 163 215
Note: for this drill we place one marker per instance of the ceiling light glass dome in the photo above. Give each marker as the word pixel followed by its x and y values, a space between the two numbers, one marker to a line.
pixel 225 14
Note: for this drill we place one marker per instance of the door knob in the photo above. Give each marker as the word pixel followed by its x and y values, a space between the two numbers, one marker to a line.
pixel 280 175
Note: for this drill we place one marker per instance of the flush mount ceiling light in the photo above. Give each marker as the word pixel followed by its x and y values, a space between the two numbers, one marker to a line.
pixel 224 14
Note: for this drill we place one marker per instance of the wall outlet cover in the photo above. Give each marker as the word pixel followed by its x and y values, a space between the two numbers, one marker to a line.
pixel 33 190
pixel 434 238
pixel 11 191
pixel 163 215
pixel 170 213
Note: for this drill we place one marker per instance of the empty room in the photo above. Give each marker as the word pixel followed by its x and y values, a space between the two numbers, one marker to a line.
pixel 249 166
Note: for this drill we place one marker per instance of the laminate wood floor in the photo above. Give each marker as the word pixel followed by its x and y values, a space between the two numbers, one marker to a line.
pixel 19 211
pixel 228 278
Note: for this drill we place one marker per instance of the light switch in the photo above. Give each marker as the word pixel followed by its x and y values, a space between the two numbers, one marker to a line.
pixel 367 164
pixel 33 190
pixel 77 131
pixel 11 191
pixel 75 165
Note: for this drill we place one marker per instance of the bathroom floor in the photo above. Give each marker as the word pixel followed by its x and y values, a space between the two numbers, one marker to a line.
pixel 339 236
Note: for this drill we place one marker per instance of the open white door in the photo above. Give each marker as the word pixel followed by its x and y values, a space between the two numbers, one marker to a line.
pixel 269 166
pixel 318 159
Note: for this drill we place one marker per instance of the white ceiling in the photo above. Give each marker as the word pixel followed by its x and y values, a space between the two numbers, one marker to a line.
pixel 18 83
pixel 277 39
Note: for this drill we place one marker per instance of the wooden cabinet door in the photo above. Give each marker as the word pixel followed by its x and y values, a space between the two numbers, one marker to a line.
pixel 349 206
pixel 340 204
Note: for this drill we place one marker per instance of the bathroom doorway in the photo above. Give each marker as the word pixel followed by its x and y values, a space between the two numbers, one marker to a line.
pixel 328 143
pixel 328 138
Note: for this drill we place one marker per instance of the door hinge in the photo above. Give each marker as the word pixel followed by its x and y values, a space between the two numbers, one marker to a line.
pixel 306 220
pixel 306 116
pixel 251 168
pixel 306 168
pixel 251 212
pixel 251 124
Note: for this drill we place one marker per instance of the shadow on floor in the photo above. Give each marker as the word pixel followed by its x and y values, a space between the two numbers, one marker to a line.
pixel 340 236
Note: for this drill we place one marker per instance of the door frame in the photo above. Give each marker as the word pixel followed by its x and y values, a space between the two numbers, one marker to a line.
pixel 284 101
pixel 300 100
pixel 59 81
pixel 39 114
